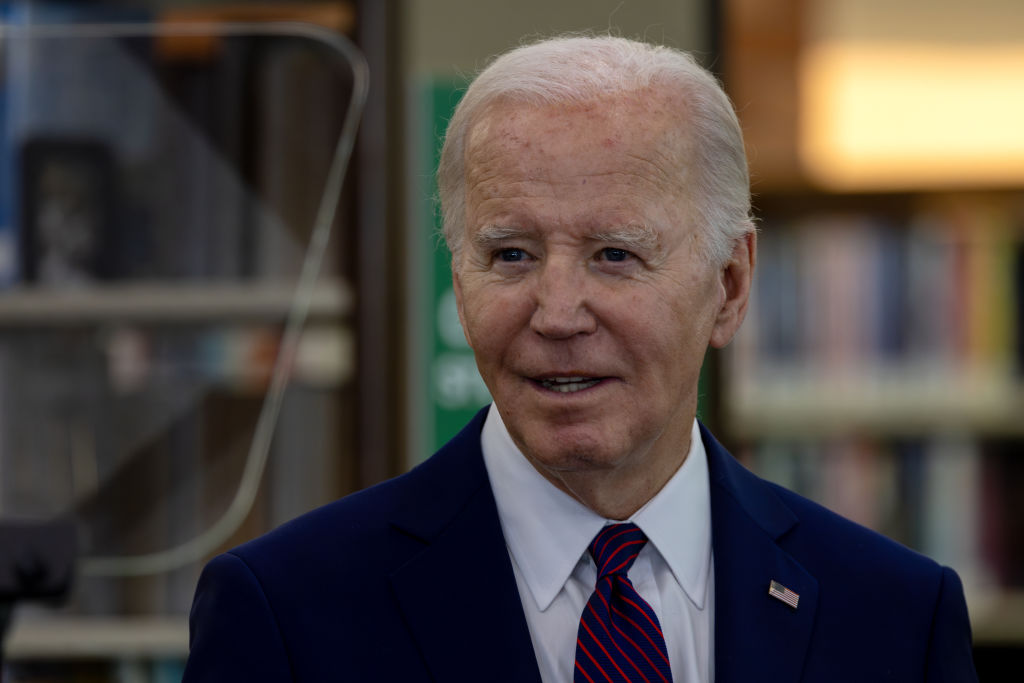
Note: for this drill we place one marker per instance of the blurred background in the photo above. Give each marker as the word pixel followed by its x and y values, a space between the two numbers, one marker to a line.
pixel 204 332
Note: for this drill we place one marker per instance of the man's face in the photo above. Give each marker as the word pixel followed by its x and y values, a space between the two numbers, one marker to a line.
pixel 580 286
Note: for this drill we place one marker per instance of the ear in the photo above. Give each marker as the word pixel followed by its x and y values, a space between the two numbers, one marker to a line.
pixel 735 278
pixel 457 288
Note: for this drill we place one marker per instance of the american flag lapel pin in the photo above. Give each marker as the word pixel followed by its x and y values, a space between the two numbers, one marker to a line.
pixel 780 592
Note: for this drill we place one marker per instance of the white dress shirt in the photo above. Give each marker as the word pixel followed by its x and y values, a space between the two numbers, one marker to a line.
pixel 547 533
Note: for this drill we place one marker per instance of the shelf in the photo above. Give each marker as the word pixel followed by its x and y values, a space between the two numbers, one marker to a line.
pixel 191 302
pixel 997 618
pixel 800 408
pixel 46 637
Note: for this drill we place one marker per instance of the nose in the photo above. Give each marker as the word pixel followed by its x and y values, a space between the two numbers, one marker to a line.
pixel 561 301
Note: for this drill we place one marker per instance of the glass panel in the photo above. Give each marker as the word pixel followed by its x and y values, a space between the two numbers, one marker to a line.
pixel 167 193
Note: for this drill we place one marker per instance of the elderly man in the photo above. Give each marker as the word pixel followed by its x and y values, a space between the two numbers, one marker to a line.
pixel 585 527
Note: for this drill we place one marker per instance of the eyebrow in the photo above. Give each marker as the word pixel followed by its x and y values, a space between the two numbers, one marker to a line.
pixel 489 235
pixel 633 237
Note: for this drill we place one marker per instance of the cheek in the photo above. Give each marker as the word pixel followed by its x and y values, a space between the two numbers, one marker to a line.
pixel 656 315
pixel 671 329
pixel 491 317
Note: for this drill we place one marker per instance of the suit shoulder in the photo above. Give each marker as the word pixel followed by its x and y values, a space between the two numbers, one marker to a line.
pixel 824 536
pixel 862 574
pixel 386 521
pixel 809 531
pixel 358 516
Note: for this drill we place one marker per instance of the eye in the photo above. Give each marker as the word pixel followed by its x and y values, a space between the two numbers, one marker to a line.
pixel 615 255
pixel 511 255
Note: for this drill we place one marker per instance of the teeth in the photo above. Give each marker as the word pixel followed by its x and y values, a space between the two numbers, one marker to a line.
pixel 568 385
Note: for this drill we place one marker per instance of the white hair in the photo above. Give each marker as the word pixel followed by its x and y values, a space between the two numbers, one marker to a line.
pixel 577 70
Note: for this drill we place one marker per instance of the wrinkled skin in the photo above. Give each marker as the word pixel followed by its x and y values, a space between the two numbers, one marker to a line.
pixel 581 262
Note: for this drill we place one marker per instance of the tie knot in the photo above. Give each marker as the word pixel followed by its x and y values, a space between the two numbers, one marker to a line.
pixel 615 548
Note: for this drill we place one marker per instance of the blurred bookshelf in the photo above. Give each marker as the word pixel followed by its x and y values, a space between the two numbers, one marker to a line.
pixel 158 213
pixel 110 638
pixel 168 303
pixel 880 370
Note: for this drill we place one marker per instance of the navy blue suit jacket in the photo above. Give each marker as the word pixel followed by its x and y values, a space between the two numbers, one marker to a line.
pixel 411 581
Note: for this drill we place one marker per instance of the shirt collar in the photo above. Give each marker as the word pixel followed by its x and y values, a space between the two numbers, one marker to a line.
pixel 547 531
pixel 677 521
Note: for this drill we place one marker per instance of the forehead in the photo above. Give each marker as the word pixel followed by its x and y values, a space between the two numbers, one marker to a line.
pixel 628 137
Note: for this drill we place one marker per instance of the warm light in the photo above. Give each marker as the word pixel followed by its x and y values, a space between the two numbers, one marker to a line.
pixel 879 115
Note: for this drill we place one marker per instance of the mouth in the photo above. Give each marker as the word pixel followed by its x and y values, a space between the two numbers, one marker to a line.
pixel 568 385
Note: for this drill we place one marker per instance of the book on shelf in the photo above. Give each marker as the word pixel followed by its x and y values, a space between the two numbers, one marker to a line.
pixel 855 303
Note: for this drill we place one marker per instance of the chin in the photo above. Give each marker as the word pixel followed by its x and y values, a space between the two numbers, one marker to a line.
pixel 572 452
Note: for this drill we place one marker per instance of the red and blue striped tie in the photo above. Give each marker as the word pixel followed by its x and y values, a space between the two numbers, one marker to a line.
pixel 620 638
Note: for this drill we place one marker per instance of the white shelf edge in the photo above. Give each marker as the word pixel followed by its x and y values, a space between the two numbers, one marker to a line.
pixel 997 617
pixel 69 637
pixel 167 302
pixel 805 409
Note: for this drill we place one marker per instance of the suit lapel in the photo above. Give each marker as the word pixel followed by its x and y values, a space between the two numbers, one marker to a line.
pixel 459 595
pixel 757 637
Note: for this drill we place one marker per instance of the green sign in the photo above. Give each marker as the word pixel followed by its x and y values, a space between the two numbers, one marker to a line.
pixel 452 390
